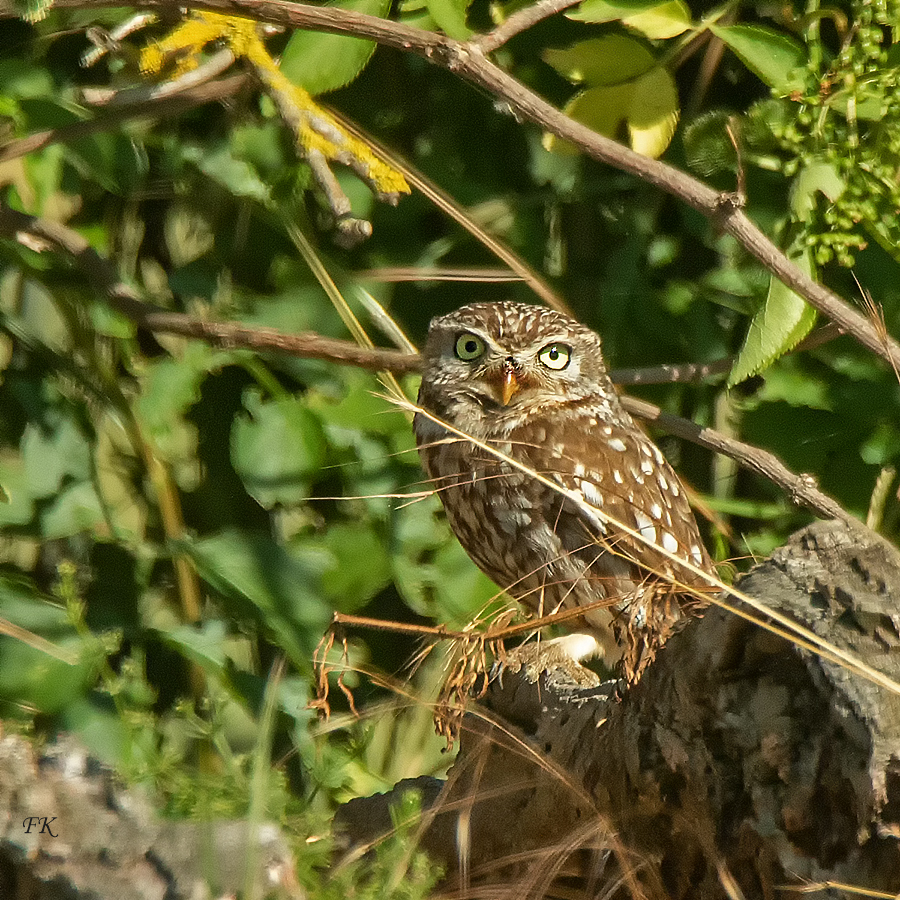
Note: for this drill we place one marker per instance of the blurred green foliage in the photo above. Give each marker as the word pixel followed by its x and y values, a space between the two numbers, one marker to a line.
pixel 142 469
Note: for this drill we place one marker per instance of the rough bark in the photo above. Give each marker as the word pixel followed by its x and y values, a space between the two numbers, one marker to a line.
pixel 740 764
pixel 96 841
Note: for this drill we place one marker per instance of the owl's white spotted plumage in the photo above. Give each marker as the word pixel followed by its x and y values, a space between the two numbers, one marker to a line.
pixel 531 382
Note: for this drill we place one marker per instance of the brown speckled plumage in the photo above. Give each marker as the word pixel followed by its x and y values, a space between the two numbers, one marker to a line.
pixel 532 383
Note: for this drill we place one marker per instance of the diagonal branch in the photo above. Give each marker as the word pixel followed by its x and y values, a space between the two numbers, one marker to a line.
pixel 469 62
pixel 41 234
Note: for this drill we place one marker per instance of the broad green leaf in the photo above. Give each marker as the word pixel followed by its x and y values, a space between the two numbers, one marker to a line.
pixel 74 510
pixel 249 568
pixel 432 571
pixel 237 175
pixel 602 109
pixel 325 62
pixel 450 17
pixel 653 19
pixel 276 449
pixel 611 60
pixel 653 113
pixel 660 22
pixel 52 454
pixel 599 11
pixel 648 106
pixel 203 644
pixel 770 55
pixel 360 566
pixel 169 388
pixel 785 319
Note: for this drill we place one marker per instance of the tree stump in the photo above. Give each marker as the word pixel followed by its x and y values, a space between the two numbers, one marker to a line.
pixel 740 764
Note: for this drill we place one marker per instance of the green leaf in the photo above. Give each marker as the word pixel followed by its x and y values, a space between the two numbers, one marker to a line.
pixel 815 177
pixel 648 107
pixel 359 567
pixel 653 19
pixel 785 319
pixel 52 454
pixel 667 20
pixel 73 510
pixel 770 55
pixel 277 448
pixel 203 644
pixel 450 17
pixel 237 175
pixel 170 387
pixel 611 60
pixel 325 62
pixel 278 589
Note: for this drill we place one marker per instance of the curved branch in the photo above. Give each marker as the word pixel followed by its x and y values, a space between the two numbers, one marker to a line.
pixel 40 234
pixel 469 62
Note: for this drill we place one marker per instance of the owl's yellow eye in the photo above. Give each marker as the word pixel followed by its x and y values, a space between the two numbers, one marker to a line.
pixel 469 346
pixel 555 356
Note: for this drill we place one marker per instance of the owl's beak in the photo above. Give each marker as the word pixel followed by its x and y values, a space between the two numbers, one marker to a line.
pixel 507 381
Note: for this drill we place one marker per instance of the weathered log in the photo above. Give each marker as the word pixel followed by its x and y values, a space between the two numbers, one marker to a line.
pixel 69 831
pixel 740 763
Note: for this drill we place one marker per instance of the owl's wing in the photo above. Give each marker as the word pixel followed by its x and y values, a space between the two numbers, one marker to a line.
pixel 620 474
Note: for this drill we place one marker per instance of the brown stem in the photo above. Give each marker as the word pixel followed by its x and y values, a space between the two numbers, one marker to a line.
pixel 37 232
pixel 468 61
pixel 152 106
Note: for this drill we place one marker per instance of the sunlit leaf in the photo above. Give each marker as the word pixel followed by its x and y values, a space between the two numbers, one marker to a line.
pixel 609 60
pixel 276 448
pixel 252 570
pixel 359 566
pixel 785 319
pixel 450 17
pixel 648 106
pixel 653 19
pixel 325 62
pixel 653 113
pixel 769 54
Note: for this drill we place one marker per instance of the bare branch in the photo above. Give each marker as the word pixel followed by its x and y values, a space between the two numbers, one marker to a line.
pixel 468 61
pixel 520 21
pixel 802 489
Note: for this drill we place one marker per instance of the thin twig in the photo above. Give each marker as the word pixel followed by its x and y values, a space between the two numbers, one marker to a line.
pixel 520 21
pixel 218 63
pixel 671 373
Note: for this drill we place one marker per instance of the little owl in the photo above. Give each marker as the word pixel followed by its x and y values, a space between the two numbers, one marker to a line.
pixel 531 383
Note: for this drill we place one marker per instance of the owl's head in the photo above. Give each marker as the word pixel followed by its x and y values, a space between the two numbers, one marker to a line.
pixel 509 358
